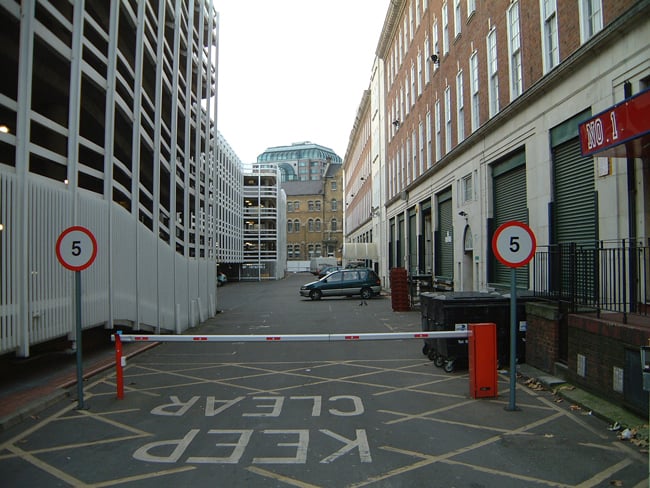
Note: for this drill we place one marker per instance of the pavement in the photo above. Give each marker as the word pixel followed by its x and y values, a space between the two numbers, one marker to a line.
pixel 29 386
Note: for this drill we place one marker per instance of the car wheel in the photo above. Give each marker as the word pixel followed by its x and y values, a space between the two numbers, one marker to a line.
pixel 366 293
pixel 315 294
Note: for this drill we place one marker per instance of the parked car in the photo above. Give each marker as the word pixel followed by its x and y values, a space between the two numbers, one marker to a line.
pixel 317 264
pixel 222 279
pixel 327 270
pixel 344 282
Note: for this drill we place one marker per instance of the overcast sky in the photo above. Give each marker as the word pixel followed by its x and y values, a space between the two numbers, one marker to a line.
pixel 294 70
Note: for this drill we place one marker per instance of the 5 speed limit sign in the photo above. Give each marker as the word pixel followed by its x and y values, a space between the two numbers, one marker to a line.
pixel 76 248
pixel 514 244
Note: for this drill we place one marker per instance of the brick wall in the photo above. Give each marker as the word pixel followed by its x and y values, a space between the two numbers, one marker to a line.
pixel 542 336
pixel 603 344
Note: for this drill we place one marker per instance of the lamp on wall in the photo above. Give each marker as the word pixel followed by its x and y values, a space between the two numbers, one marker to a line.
pixel 396 123
pixel 435 59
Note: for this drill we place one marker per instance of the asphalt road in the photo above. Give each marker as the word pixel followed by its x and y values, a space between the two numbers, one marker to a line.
pixel 309 414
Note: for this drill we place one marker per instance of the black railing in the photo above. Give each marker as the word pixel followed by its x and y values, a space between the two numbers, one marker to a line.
pixel 611 276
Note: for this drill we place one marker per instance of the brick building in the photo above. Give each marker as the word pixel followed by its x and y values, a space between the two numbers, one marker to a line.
pixel 480 106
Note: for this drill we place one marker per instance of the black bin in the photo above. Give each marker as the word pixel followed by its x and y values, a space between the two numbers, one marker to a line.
pixel 450 311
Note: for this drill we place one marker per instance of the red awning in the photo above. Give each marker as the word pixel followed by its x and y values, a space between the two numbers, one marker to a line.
pixel 622 131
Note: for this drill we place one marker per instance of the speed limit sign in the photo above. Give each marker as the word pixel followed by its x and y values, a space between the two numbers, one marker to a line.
pixel 76 248
pixel 514 244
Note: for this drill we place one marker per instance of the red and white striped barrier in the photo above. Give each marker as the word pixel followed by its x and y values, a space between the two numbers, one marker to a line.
pixel 379 336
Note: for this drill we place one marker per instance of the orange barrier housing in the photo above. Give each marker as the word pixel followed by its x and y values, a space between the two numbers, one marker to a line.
pixel 483 361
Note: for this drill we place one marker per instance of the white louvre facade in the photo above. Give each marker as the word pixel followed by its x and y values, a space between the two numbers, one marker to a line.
pixel 106 119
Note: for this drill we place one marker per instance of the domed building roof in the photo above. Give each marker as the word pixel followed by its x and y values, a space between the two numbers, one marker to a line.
pixel 298 150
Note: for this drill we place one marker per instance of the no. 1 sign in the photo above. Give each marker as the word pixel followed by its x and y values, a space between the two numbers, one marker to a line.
pixel 514 244
pixel 76 248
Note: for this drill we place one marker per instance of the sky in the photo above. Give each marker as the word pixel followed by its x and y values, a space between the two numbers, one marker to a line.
pixel 293 70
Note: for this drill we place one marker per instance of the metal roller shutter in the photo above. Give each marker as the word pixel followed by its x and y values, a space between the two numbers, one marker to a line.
pixel 510 203
pixel 445 243
pixel 574 200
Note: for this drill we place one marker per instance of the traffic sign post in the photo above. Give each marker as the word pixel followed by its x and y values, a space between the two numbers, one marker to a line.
pixel 76 250
pixel 514 246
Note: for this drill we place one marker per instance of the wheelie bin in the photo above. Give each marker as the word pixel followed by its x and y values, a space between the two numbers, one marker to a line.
pixel 454 311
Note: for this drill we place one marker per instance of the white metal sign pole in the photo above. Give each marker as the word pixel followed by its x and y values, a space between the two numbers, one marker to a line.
pixel 514 246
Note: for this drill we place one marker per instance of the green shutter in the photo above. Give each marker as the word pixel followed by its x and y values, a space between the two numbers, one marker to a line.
pixel 574 200
pixel 510 203
pixel 445 244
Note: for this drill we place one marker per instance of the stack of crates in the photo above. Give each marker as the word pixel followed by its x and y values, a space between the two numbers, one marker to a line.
pixel 399 290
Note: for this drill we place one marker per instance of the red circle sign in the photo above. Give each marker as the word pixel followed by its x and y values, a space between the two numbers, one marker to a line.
pixel 514 244
pixel 76 248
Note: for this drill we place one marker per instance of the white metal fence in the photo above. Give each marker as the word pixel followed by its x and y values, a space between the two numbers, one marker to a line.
pixel 136 278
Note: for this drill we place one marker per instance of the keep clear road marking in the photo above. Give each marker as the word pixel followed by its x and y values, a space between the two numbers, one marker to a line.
pixel 237 440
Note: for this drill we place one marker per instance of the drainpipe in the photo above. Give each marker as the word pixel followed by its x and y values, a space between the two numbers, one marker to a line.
pixel 631 215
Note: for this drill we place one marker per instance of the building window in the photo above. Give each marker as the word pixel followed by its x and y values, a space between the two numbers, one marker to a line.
pixel 550 43
pixel 407 99
pixel 438 132
pixel 445 29
pixel 333 185
pixel 429 142
pixel 514 49
pixel 317 226
pixel 414 153
pixel 493 73
pixel 289 226
pixel 591 18
pixel 296 251
pixel 296 206
pixel 334 225
pixel 457 22
pixel 296 225
pixel 474 83
pixel 334 204
pixel 436 42
pixel 310 205
pixel 317 205
pixel 318 250
pixel 413 84
pixel 466 189
pixel 289 206
pixel 419 73
pixel 471 7
pixel 460 107
pixel 427 56
pixel 310 250
pixel 289 251
pixel 310 225
pixel 447 119
pixel 421 147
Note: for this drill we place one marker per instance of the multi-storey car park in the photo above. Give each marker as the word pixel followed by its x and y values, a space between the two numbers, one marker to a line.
pixel 107 121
